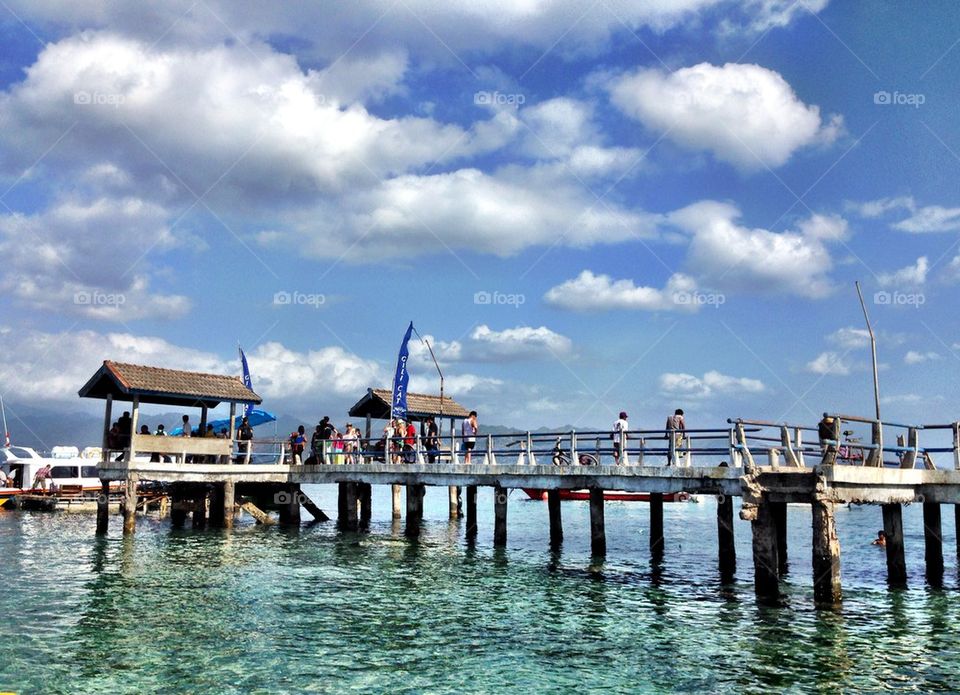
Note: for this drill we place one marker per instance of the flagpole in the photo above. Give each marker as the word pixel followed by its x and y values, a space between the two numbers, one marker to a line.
pixel 6 434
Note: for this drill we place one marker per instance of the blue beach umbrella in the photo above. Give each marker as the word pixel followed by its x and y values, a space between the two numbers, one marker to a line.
pixel 256 417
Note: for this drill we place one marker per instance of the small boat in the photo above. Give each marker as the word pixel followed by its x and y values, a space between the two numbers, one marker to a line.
pixel 73 479
pixel 610 496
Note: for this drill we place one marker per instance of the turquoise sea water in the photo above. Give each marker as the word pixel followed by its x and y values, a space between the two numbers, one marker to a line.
pixel 267 610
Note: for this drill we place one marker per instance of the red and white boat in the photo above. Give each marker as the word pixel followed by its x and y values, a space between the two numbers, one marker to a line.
pixel 610 496
pixel 68 472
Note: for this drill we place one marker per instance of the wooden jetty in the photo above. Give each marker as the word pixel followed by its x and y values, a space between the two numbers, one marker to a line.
pixel 767 465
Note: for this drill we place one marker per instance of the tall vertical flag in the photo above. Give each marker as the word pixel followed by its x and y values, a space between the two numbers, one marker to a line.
pixel 247 381
pixel 401 378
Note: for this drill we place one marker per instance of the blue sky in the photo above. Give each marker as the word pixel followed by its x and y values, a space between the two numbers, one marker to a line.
pixel 587 208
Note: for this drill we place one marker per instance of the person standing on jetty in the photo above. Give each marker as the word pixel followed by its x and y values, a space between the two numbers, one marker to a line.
pixel 431 438
pixel 676 427
pixel 469 431
pixel 245 437
pixel 619 436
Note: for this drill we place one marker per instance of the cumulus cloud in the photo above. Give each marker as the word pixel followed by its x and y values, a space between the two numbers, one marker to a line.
pixel 744 114
pixel 485 344
pixel 921 219
pixel 599 292
pixel 916 357
pixel 710 384
pixel 733 257
pixel 830 363
pixel 912 275
pixel 849 338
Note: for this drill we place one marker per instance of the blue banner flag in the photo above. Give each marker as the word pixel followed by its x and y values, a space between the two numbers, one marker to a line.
pixel 247 381
pixel 401 378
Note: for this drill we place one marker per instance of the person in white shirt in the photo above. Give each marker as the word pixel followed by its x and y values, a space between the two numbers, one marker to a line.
pixel 619 435
pixel 469 431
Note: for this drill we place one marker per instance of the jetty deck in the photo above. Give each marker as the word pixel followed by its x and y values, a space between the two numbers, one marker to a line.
pixel 766 465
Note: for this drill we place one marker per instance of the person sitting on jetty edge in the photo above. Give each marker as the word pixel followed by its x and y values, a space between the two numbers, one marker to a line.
pixel 469 430
pixel 619 433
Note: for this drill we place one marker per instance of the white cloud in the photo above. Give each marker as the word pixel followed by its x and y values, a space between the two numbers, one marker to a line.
pixel 881 206
pixel 744 114
pixel 830 363
pixel 912 275
pixel 732 257
pixel 932 218
pixel 915 357
pixel 522 342
pixel 591 292
pixel 849 338
pixel 712 383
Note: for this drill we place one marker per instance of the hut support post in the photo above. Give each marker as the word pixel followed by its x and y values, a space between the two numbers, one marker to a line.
pixel 103 509
pixel 499 517
pixel 725 539
pixel 826 555
pixel 933 543
pixel 556 520
pixel 471 511
pixel 366 502
pixel 217 513
pixel 454 501
pixel 200 509
pixel 130 505
pixel 893 530
pixel 656 524
pixel 765 564
pixel 396 492
pixel 598 536
pixel 414 509
pixel 229 502
pixel 348 521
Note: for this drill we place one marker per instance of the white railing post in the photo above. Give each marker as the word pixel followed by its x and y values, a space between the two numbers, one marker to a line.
pixel 574 459
pixel 671 447
pixel 798 446
pixel 490 458
pixel 531 458
pixel 624 454
pixel 773 457
pixel 418 446
pixel 454 455
pixel 956 445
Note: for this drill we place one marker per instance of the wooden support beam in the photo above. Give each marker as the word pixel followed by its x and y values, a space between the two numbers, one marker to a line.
pixel 454 501
pixel 396 501
pixel 103 509
pixel 766 582
pixel 471 511
pixel 200 509
pixel 229 503
pixel 893 530
pixel 598 537
pixel 556 520
pixel 826 555
pixel 779 512
pixel 933 543
pixel 656 525
pixel 366 502
pixel 727 549
pixel 314 510
pixel 414 509
pixel 253 510
pixel 499 517
pixel 217 512
pixel 130 505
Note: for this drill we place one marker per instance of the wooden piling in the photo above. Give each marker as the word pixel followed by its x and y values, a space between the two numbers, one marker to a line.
pixel 598 537
pixel 766 582
pixel 779 512
pixel 217 512
pixel 454 501
pixel 396 491
pixel 366 502
pixel 342 502
pixel 893 530
pixel 348 522
pixel 178 506
pixel 826 555
pixel 288 499
pixel 656 524
pixel 956 521
pixel 933 543
pixel 556 520
pixel 200 509
pixel 414 509
pixel 130 506
pixel 499 517
pixel 726 545
pixel 471 511
pixel 103 509
pixel 229 503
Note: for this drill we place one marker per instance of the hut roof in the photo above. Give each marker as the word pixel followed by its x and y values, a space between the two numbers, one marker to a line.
pixel 166 386
pixel 376 404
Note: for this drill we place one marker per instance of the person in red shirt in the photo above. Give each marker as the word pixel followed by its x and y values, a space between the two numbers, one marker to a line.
pixel 409 439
